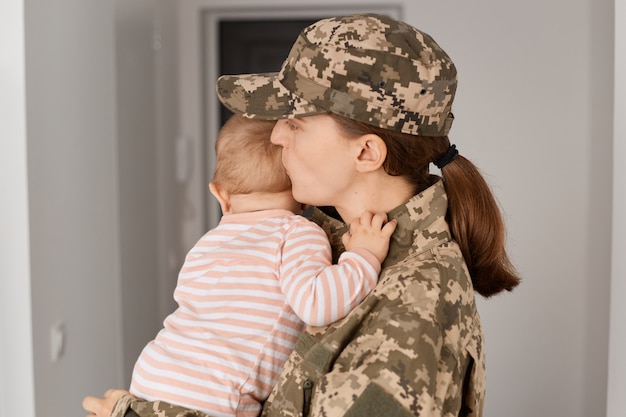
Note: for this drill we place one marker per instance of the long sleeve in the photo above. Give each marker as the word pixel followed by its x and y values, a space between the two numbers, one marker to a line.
pixel 222 350
pixel 321 293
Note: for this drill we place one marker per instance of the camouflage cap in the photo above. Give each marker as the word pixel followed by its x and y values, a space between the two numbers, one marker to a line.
pixel 366 67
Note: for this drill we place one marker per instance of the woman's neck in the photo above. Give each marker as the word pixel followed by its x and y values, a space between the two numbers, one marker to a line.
pixel 381 196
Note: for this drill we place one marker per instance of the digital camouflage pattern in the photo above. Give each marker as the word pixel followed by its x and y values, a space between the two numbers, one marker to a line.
pixel 414 347
pixel 128 406
pixel 370 68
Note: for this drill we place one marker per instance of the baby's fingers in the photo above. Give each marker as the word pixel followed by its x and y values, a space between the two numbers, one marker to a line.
pixel 389 227
pixel 345 239
pixel 378 220
pixel 364 219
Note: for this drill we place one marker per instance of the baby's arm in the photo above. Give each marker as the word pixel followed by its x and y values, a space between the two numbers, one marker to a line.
pixel 320 292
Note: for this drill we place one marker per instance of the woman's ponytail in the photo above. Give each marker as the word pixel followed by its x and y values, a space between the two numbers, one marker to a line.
pixel 477 226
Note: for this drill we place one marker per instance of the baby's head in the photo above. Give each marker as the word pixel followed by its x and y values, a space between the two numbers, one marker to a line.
pixel 246 160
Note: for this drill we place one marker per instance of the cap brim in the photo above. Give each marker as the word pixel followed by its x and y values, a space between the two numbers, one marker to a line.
pixel 262 96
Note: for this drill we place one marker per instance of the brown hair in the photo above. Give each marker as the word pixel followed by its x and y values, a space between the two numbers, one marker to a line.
pixel 473 214
pixel 246 160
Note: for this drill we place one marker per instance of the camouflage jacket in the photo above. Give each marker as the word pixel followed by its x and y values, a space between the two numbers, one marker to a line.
pixel 413 347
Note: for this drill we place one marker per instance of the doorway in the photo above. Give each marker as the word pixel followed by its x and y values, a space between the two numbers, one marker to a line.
pixel 255 46
pixel 217 39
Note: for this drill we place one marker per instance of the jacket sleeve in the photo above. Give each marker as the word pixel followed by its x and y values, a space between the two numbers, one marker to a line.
pixel 390 372
pixel 389 366
pixel 129 406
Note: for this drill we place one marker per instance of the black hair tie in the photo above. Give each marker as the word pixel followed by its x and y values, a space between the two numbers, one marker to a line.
pixel 448 157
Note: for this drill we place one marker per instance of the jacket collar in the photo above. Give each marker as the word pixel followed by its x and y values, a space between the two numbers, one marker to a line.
pixel 421 224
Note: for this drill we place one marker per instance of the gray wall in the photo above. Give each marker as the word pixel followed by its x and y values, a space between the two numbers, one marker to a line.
pixel 85 197
pixel 143 127
pixel 60 234
pixel 73 199
pixel 534 111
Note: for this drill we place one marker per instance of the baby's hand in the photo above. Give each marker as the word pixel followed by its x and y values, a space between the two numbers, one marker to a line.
pixel 372 232
pixel 103 407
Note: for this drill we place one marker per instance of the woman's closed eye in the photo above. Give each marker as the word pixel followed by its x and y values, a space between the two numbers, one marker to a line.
pixel 291 125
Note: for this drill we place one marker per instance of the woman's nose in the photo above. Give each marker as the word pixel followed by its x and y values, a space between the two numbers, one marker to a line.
pixel 278 134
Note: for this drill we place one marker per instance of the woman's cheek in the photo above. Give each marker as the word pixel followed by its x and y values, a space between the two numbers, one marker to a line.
pixel 304 191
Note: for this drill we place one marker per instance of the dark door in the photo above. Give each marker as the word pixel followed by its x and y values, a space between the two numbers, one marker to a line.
pixel 254 46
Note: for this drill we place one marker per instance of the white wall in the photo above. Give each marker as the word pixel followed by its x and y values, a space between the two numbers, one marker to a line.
pixel 17 394
pixel 617 361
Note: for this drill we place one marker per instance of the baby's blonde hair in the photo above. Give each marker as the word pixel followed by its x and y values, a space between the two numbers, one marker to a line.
pixel 246 160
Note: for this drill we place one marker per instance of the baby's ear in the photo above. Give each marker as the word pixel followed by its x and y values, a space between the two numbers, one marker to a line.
pixel 222 196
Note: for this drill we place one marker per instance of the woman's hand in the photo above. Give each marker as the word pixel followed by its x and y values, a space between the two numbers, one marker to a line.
pixel 102 407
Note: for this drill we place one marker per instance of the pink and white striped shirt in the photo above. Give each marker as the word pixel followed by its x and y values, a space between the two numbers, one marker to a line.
pixel 245 293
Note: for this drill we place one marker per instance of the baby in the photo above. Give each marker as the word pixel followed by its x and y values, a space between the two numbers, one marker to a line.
pixel 249 286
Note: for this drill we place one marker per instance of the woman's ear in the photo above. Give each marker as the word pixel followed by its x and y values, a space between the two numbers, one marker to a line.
pixel 373 152
pixel 222 196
